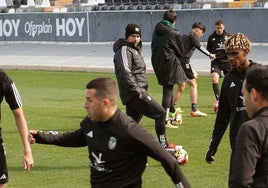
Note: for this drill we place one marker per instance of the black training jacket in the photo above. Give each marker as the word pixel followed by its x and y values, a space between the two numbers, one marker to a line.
pixel 118 150
pixel 231 107
pixel 215 45
pixel 250 166
pixel 167 48
pixel 130 70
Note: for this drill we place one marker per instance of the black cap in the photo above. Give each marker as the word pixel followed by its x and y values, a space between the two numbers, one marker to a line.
pixel 132 29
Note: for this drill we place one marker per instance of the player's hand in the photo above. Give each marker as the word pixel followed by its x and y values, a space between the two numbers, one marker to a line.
pixel 210 156
pixel 28 161
pixel 31 138
pixel 212 57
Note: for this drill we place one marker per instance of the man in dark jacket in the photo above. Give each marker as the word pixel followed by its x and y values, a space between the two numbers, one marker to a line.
pixel 130 71
pixel 167 48
pixel 250 163
pixel 117 145
pixel 215 45
pixel 231 105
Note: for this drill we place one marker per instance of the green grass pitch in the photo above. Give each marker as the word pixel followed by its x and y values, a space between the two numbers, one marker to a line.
pixel 54 101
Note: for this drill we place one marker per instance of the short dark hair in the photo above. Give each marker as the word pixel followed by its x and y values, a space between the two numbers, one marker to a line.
pixel 170 16
pixel 105 88
pixel 257 78
pixel 200 26
pixel 219 22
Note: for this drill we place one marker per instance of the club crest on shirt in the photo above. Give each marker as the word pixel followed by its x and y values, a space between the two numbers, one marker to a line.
pixel 112 143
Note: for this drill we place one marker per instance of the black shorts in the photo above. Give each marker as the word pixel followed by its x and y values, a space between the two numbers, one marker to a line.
pixel 188 70
pixel 3 164
pixel 220 67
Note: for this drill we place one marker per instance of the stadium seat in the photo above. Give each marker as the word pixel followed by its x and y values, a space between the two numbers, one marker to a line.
pixel 176 7
pixel 139 7
pixel 161 2
pixel 190 1
pixel 130 7
pixel 75 2
pixel 246 5
pixel 121 7
pixel 101 2
pixel 96 8
pixel 109 2
pixel 258 4
pixel 117 2
pixel 171 2
pixel 181 1
pixel 206 6
pixel 125 2
pixel 112 7
pixel 84 2
pixel 45 3
pixel 152 2
pixel 144 2
pixel 9 3
pixel 187 6
pixel 104 7
pixel 196 6
pixel 167 6
pixel 89 2
pixel 16 3
pixel 11 11
pixel 157 7
pixel 31 3
pixel 70 9
pixel 38 3
pixel 63 9
pixel 56 10
pixel 148 7
pixel 135 2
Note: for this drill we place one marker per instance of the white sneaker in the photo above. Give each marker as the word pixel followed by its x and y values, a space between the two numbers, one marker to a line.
pixel 198 114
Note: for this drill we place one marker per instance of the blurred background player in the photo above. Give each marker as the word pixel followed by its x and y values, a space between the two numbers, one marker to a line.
pixel 191 41
pixel 231 105
pixel 215 45
pixel 10 93
pixel 167 48
pixel 118 146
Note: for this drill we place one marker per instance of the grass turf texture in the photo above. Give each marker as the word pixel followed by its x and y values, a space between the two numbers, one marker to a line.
pixel 54 101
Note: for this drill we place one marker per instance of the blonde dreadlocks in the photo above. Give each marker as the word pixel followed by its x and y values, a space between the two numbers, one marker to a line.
pixel 237 41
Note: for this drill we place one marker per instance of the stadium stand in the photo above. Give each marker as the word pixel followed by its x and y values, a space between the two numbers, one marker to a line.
pixel 258 4
pixel 240 4
pixel 246 5
pixel 181 1
pixel 11 6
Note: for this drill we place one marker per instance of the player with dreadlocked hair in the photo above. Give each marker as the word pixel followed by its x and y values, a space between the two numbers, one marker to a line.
pixel 231 106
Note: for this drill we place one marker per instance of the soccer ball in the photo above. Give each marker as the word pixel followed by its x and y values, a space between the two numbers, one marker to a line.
pixel 182 156
pixel 216 106
pixel 172 148
pixel 177 119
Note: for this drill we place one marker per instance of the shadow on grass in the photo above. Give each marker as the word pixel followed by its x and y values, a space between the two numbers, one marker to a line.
pixel 48 168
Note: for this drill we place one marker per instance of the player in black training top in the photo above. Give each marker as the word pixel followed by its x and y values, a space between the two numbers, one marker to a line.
pixel 118 146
